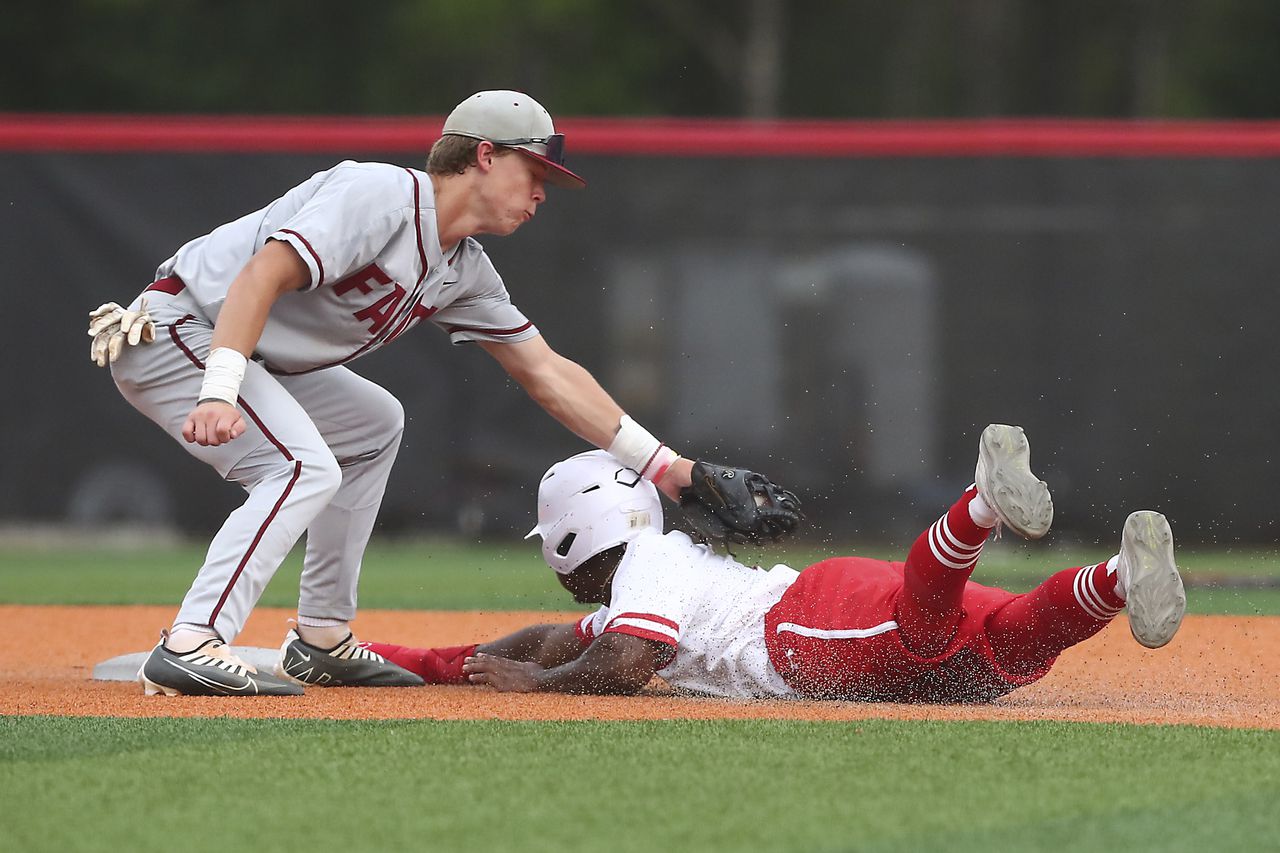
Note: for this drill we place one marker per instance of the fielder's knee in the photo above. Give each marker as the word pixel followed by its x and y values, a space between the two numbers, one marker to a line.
pixel 386 420
pixel 319 475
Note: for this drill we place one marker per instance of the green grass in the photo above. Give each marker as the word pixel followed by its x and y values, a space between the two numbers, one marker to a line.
pixel 99 784
pixel 72 784
pixel 452 575
pixel 441 575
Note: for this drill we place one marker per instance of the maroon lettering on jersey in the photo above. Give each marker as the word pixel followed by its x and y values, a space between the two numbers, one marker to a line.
pixel 381 312
pixel 364 280
pixel 419 313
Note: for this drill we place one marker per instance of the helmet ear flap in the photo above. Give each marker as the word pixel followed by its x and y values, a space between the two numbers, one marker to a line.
pixel 566 544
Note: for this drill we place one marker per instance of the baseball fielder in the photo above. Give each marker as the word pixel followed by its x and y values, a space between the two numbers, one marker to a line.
pixel 846 628
pixel 239 351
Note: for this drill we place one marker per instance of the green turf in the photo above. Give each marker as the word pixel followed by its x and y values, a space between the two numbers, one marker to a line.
pixel 107 784
pixel 458 575
pixel 442 575
pixel 110 784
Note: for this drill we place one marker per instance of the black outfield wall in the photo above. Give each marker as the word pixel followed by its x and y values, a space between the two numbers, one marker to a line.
pixel 846 322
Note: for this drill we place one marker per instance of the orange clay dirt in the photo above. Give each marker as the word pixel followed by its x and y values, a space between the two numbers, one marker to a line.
pixel 1218 671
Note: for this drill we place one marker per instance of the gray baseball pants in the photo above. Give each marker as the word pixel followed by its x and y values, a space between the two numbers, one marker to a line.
pixel 315 456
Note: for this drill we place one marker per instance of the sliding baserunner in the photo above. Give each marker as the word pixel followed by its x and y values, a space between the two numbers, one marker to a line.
pixel 846 628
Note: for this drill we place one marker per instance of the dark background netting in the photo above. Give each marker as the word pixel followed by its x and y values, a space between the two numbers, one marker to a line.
pixel 847 326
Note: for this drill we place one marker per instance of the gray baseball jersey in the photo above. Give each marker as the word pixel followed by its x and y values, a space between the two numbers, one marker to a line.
pixel 320 440
pixel 367 232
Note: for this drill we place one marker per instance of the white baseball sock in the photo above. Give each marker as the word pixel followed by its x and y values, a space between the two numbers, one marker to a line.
pixel 1122 578
pixel 982 514
pixel 321 632
pixel 185 637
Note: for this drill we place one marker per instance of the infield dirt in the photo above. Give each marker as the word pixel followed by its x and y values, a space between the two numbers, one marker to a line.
pixel 1218 671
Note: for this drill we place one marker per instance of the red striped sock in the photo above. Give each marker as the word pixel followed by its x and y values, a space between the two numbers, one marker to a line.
pixel 955 540
pixel 1095 591
pixel 934 576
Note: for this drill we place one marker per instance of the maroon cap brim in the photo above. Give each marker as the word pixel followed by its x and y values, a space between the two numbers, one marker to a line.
pixel 557 175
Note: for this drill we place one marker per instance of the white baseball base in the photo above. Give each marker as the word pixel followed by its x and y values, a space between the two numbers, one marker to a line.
pixel 125 667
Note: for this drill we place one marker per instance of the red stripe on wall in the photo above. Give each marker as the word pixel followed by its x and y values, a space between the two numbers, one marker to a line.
pixel 655 137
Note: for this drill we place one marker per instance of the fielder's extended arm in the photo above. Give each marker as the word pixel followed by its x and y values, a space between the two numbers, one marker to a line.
pixel 726 505
pixel 571 395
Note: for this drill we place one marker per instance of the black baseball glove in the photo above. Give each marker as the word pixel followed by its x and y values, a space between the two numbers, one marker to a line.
pixel 739 506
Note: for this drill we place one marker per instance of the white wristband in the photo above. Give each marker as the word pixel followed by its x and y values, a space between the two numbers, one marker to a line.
pixel 636 448
pixel 223 373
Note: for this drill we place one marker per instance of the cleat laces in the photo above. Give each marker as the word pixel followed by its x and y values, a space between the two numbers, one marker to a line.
pixel 217 655
pixel 350 649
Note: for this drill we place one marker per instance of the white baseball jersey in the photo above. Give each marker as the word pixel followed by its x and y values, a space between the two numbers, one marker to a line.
pixel 367 232
pixel 708 608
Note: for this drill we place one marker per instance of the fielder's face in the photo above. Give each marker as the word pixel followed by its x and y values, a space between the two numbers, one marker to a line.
pixel 512 189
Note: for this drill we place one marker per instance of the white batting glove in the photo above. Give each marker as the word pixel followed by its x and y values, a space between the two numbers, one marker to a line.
pixel 111 327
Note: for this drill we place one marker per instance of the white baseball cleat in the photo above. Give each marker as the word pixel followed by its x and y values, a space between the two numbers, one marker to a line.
pixel 1019 498
pixel 1155 598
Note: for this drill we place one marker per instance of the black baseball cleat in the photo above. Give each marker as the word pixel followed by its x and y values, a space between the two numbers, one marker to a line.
pixel 208 670
pixel 347 664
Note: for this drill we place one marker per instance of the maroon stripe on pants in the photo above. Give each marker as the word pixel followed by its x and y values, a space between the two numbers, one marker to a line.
pixel 248 410
pixel 297 471
pixel 180 344
pixel 263 427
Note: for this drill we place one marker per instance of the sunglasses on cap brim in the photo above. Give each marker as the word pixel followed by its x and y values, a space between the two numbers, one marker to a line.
pixel 554 143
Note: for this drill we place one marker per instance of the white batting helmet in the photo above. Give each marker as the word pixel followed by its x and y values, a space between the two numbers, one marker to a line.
pixel 589 503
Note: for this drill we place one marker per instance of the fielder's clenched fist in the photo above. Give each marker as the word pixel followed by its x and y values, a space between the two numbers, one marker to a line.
pixel 213 422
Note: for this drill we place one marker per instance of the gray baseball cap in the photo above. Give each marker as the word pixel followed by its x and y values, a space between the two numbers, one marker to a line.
pixel 517 121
